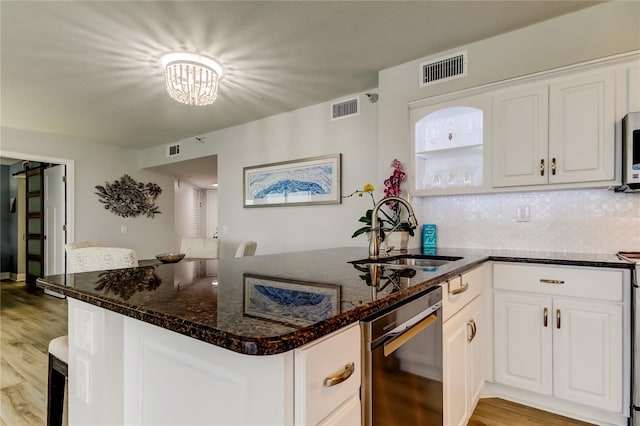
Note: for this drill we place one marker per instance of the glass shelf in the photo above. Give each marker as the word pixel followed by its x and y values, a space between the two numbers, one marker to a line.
pixel 449 149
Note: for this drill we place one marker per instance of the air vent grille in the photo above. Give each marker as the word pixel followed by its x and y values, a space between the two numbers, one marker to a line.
pixel 443 69
pixel 345 108
pixel 173 150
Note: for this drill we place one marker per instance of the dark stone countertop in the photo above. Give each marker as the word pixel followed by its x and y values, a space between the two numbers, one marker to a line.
pixel 263 305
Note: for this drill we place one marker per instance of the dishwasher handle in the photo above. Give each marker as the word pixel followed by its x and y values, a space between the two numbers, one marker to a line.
pixel 407 329
pixel 392 345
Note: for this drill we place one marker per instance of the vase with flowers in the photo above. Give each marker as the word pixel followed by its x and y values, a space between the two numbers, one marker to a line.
pixel 392 222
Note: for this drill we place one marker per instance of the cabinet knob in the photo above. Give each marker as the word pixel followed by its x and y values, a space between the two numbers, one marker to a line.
pixel 340 377
pixel 542 167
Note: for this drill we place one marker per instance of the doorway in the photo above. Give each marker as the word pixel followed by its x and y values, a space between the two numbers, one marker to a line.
pixel 42 218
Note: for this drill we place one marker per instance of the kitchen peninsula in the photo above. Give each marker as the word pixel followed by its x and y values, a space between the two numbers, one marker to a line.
pixel 164 343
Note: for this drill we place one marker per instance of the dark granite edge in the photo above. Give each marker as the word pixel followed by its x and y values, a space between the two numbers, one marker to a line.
pixel 273 345
pixel 565 262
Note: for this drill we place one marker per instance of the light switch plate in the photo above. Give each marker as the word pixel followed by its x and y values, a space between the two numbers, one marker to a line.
pixel 522 214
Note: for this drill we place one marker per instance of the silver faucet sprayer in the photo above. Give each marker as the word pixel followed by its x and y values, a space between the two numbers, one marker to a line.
pixel 374 242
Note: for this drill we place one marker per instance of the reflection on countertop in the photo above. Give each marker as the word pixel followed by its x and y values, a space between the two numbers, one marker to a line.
pixel 274 303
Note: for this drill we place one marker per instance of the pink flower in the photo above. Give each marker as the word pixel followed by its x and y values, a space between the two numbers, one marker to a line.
pixel 392 184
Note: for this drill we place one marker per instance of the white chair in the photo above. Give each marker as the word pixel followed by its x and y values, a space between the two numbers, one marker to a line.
pixel 248 248
pixel 100 258
pixel 83 256
pixel 82 244
pixel 203 248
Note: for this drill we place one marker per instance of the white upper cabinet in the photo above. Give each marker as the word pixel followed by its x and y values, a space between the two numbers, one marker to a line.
pixel 520 138
pixel 555 129
pixel 448 143
pixel 582 128
pixel 558 131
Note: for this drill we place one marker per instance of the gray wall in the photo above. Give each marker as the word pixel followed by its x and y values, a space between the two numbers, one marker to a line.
pixel 369 142
pixel 94 164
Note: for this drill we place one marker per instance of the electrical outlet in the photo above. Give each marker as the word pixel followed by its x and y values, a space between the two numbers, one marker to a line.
pixel 83 320
pixel 82 380
pixel 522 214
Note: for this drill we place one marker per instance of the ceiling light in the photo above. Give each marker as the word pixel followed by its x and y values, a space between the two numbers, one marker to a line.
pixel 191 79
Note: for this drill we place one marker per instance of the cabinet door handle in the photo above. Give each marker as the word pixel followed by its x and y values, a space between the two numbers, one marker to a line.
pixel 546 317
pixel 542 167
pixel 340 377
pixel 458 290
pixel 471 326
pixel 553 166
pixel 547 281
pixel 557 318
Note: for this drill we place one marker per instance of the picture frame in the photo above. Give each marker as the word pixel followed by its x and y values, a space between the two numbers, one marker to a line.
pixel 306 181
pixel 289 302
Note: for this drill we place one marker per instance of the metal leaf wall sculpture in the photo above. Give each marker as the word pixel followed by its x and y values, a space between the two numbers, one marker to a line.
pixel 128 198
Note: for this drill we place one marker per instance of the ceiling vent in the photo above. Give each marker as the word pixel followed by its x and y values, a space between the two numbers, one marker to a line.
pixel 345 108
pixel 443 69
pixel 173 150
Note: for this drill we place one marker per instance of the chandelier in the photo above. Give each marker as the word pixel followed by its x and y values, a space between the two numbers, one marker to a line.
pixel 191 79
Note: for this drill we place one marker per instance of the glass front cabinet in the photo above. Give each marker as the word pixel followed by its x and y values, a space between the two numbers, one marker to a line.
pixel 450 146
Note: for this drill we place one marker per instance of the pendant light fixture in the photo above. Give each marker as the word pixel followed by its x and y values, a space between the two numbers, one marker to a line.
pixel 191 79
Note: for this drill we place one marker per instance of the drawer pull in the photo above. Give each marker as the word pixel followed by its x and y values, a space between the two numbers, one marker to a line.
pixel 546 281
pixel 546 317
pixel 471 330
pixel 340 377
pixel 458 290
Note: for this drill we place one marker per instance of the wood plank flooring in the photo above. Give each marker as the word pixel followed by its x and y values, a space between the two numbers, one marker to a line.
pixel 29 321
pixel 498 412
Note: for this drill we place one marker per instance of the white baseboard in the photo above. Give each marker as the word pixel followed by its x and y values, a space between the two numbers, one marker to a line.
pixel 5 275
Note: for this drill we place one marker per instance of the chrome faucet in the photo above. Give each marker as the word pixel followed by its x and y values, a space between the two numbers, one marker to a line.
pixel 374 242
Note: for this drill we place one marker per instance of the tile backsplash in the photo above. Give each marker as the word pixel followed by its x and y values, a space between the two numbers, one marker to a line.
pixel 573 221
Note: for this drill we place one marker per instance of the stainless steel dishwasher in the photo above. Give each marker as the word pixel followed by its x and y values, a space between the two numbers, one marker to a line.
pixel 402 363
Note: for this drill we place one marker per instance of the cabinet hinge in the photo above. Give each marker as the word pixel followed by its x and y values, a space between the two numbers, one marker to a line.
pixel 64 179
pixel 64 227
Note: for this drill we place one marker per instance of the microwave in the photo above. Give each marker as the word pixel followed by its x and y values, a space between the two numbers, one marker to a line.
pixel 631 150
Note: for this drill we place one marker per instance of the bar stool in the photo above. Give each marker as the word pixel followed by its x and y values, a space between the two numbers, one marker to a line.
pixel 58 371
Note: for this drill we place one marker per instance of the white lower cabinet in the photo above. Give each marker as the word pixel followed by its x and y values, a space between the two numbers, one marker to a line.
pixel 587 353
pixel 138 373
pixel 563 332
pixel 462 363
pixel 463 333
pixel 327 380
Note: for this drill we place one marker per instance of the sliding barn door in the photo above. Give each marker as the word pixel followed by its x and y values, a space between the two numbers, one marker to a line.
pixel 35 226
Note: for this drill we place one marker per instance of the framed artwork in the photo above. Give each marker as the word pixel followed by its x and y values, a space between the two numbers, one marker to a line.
pixel 313 180
pixel 289 302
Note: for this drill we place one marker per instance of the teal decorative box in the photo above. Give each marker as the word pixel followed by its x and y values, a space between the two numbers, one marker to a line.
pixel 429 236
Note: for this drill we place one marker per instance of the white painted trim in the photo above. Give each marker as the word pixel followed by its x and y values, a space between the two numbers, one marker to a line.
pixel 5 275
pixel 70 172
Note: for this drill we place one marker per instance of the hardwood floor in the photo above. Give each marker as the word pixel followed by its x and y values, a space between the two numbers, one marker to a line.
pixel 27 323
pixel 498 412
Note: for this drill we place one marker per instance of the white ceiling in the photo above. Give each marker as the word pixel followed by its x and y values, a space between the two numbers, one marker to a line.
pixel 90 68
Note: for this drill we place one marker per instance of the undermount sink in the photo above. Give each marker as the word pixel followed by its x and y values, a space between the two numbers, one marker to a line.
pixel 415 260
